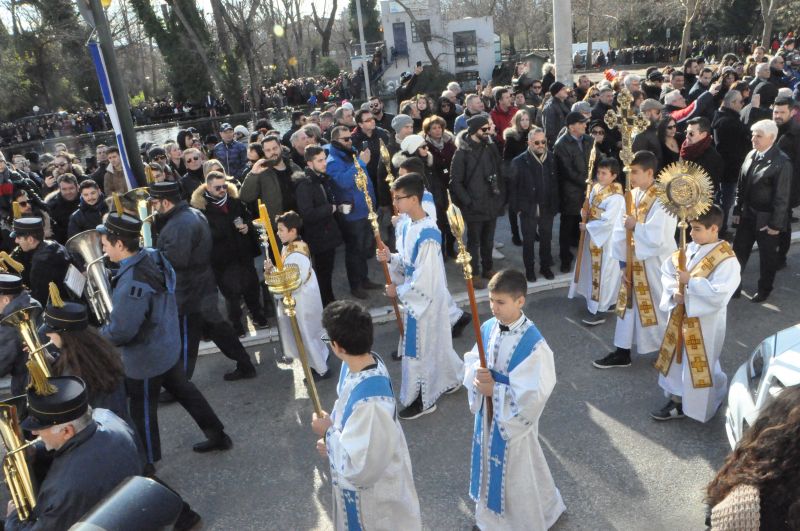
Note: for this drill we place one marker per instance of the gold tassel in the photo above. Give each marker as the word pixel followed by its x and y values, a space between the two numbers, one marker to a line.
pixel 39 381
pixel 16 209
pixel 55 296
pixel 6 260
pixel 117 203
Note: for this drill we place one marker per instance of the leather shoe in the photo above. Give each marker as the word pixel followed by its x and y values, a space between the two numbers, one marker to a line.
pixel 547 273
pixel 566 267
pixel 217 441
pixel 530 277
pixel 188 519
pixel 240 374
pixel 462 322
pixel 478 283
pixel 368 284
pixel 488 274
pixel 359 293
pixel 760 296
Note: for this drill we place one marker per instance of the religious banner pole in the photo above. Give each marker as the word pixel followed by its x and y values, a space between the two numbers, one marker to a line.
pixel 585 211
pixel 387 163
pixel 284 280
pixel 361 183
pixel 628 123
pixel 457 226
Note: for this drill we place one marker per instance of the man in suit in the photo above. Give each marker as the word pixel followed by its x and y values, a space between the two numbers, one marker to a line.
pixel 762 204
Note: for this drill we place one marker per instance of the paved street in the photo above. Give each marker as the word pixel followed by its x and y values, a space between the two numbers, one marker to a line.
pixel 616 468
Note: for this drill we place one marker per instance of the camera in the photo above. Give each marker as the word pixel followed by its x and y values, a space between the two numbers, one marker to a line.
pixel 493 185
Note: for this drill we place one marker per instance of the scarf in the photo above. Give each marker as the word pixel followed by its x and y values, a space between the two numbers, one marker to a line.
pixel 438 144
pixel 219 203
pixel 694 151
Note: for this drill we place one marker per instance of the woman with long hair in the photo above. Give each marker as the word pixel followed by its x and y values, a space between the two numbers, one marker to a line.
pixel 670 142
pixel 760 478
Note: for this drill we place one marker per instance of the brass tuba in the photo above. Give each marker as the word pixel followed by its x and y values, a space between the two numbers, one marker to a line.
pixel 24 320
pixel 15 466
pixel 98 288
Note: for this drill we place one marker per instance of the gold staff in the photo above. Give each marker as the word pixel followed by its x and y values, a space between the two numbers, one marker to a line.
pixel 628 123
pixel 283 280
pixel 585 211
pixel 361 183
pixel 456 221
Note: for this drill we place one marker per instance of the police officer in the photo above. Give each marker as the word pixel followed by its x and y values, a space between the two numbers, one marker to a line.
pixel 92 450
pixel 45 261
pixel 13 297
pixel 185 240
pixel 144 326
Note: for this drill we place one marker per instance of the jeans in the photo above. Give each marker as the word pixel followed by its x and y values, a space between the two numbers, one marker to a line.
pixel 143 395
pixel 746 235
pixel 568 236
pixel 359 246
pixel 480 241
pixel 529 224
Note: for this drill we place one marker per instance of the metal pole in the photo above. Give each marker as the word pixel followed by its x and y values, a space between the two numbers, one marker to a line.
pixel 363 48
pixel 119 90
pixel 562 40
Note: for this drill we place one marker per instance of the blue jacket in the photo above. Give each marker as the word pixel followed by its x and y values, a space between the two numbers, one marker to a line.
pixel 84 471
pixel 343 177
pixel 233 157
pixel 144 321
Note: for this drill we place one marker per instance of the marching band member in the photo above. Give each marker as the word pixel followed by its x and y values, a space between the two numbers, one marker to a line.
pixel 13 297
pixel 45 261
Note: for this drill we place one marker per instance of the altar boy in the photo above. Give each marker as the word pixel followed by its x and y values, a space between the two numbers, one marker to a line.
pixel 510 480
pixel 599 275
pixel 430 365
pixel 691 375
pixel 373 485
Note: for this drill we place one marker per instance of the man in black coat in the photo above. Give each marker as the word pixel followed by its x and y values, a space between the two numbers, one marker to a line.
pixel 91 210
pixel 61 203
pixel 234 245
pixel 193 177
pixel 316 204
pixel 732 141
pixel 648 140
pixel 572 153
pixel 477 188
pixel 535 195
pixel 45 261
pixel 699 148
pixel 784 113
pixel 762 204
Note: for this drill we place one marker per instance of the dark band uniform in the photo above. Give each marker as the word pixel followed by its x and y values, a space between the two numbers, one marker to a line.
pixel 45 264
pixel 12 357
pixel 87 467
pixel 144 325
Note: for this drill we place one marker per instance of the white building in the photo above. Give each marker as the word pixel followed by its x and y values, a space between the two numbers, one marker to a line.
pixel 467 47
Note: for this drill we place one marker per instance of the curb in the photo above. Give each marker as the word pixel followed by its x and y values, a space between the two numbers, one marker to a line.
pixel 385 314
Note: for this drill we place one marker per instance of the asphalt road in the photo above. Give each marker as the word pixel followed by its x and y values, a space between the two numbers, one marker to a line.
pixel 616 468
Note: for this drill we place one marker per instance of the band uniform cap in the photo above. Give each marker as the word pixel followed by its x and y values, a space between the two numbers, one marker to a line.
pixel 123 225
pixel 576 117
pixel 226 127
pixel 165 190
pixel 69 402
pixel 650 105
pixel 26 226
pixel 10 284
pixel 71 316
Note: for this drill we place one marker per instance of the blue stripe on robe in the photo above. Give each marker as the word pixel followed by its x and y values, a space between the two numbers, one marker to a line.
pixel 429 233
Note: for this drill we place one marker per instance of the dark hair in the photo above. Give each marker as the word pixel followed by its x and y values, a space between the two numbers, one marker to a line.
pixel 611 164
pixel 112 149
pixel 510 282
pixel 785 100
pixel 688 62
pixel 214 175
pixel 88 183
pixel 645 160
pixel 706 70
pixel 411 184
pixel 263 123
pixel 337 131
pixel 68 178
pixel 413 165
pixel 662 127
pixel 270 138
pixel 768 458
pixel 360 114
pixel 131 243
pixel 87 354
pixel 290 219
pixel 312 151
pixel 258 148
pixel 702 124
pixel 713 216
pixel 350 325
pixel 499 92
pixel 678 73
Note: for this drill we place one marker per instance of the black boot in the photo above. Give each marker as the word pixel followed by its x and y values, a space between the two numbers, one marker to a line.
pixel 217 440
pixel 243 371
pixel 187 519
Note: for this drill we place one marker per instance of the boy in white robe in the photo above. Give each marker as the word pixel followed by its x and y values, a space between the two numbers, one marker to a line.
pixel 430 365
pixel 371 476
pixel 510 480
pixel 599 276
pixel 693 380
pixel 653 239
pixel 307 298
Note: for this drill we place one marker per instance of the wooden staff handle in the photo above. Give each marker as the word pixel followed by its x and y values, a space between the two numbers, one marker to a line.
pixel 476 325
pixel 397 315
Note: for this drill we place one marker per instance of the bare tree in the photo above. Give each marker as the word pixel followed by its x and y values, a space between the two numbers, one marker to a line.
pixel 692 10
pixel 324 31
pixel 769 8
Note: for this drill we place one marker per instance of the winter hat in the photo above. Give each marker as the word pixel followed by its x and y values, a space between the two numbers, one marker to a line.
pixel 400 121
pixel 411 144
pixel 556 87
pixel 476 122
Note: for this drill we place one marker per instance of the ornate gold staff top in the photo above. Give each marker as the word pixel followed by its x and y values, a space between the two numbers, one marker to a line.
pixel 284 280
pixel 456 221
pixel 628 123
pixel 386 158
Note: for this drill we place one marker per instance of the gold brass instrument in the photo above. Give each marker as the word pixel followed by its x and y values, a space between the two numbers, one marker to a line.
pixel 15 466
pixel 24 320
pixel 9 265
pixel 87 245
pixel 137 201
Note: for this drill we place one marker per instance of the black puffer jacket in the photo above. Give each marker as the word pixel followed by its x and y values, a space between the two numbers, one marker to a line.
pixel 712 162
pixel 473 164
pixel 571 168
pixel 763 193
pixel 60 211
pixel 732 140
pixel 87 216
pixel 789 142
pixel 314 204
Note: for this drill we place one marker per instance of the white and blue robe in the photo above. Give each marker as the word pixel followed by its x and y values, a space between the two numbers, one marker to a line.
pixel 707 299
pixel 510 480
pixel 373 484
pixel 430 365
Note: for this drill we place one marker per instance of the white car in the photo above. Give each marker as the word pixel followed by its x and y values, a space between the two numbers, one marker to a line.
pixel 773 365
